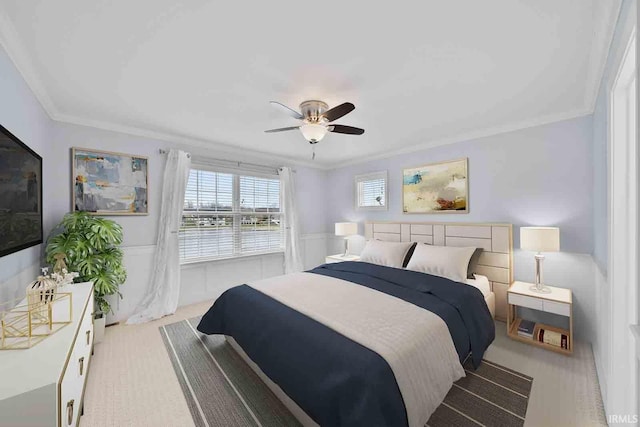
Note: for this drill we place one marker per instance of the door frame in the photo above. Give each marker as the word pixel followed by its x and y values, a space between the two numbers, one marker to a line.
pixel 622 394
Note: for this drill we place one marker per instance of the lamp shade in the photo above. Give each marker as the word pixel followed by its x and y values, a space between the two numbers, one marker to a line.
pixel 540 239
pixel 346 228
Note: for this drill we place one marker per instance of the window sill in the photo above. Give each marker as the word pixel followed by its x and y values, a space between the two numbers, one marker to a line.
pixel 372 208
pixel 195 263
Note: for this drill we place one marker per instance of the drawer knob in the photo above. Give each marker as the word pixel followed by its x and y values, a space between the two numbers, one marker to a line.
pixel 81 362
pixel 70 412
pixel 88 337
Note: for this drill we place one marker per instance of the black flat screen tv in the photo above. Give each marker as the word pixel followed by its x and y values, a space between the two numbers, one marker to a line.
pixel 20 195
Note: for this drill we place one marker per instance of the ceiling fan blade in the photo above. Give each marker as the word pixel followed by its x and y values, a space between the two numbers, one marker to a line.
pixel 287 110
pixel 345 129
pixel 282 129
pixel 338 111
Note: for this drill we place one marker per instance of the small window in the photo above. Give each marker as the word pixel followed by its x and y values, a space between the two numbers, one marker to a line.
pixel 371 191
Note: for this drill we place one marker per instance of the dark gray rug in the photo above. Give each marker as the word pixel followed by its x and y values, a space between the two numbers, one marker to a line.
pixel 221 390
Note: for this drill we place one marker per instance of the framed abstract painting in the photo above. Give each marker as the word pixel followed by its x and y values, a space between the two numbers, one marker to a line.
pixel 107 183
pixel 436 188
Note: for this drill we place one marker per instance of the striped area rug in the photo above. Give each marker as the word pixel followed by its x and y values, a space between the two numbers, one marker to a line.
pixel 222 390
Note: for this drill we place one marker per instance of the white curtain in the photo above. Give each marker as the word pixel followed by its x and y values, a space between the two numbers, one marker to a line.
pixel 163 289
pixel 292 257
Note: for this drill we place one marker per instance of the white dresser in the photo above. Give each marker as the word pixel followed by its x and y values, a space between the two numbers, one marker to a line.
pixel 44 385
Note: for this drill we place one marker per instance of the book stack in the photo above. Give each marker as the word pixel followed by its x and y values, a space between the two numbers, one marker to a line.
pixel 554 338
pixel 526 328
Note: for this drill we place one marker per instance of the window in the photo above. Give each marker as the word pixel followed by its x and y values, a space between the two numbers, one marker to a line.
pixel 371 191
pixel 228 215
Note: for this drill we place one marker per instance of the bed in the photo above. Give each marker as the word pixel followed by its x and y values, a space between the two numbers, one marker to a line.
pixel 356 343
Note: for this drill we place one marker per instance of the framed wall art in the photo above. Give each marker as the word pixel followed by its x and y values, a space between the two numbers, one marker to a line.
pixel 107 183
pixel 20 195
pixel 436 188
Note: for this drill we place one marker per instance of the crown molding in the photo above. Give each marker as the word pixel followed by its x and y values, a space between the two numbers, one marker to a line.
pixel 186 142
pixel 477 134
pixel 12 44
pixel 606 16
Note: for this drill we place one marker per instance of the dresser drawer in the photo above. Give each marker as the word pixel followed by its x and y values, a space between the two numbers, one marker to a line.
pixel 74 378
pixel 525 301
pixel 556 307
pixel 71 389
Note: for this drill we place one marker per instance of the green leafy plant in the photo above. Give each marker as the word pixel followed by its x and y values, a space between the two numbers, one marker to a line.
pixel 90 245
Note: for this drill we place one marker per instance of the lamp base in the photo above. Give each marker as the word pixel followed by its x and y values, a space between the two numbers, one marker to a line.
pixel 540 289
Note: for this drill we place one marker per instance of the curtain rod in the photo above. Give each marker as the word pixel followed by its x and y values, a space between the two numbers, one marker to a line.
pixel 232 162
pixel 162 151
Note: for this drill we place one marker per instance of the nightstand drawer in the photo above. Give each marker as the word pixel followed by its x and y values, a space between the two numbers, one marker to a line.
pixel 556 307
pixel 525 301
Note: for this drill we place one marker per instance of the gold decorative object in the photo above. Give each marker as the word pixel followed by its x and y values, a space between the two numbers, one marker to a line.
pixel 25 323
pixel 41 291
pixel 60 265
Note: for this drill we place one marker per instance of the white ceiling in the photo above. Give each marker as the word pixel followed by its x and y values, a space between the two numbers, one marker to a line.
pixel 419 73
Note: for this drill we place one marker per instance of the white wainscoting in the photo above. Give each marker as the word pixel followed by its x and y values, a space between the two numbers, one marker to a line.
pixel 314 249
pixel 601 341
pixel 137 261
pixel 207 280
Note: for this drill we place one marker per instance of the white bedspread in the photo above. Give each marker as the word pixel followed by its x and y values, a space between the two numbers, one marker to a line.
pixel 480 282
pixel 415 342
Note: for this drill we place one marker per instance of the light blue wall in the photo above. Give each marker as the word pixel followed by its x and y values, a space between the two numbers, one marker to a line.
pixel 600 184
pixel 141 230
pixel 536 176
pixel 22 115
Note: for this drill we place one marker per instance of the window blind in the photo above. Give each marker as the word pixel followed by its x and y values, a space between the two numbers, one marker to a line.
pixel 371 191
pixel 227 215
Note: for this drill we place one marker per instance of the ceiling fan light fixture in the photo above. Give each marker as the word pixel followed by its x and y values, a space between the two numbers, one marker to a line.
pixel 313 132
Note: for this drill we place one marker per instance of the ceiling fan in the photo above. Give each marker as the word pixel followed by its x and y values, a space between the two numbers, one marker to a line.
pixel 317 120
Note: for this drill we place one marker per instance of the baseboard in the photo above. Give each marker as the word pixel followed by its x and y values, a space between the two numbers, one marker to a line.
pixel 602 378
pixel 600 281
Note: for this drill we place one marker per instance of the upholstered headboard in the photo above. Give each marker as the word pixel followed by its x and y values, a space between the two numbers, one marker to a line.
pixel 496 240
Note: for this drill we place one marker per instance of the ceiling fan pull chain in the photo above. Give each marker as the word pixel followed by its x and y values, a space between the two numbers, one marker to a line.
pixel 313 150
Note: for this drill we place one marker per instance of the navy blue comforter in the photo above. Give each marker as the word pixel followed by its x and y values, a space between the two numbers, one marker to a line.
pixel 334 379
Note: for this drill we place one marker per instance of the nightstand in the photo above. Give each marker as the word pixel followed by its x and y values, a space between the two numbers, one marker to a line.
pixel 340 258
pixel 558 301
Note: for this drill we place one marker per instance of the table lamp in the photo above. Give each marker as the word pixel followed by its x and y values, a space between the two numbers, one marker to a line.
pixel 540 239
pixel 346 229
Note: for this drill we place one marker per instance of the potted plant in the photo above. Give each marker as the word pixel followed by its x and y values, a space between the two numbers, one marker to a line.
pixel 90 246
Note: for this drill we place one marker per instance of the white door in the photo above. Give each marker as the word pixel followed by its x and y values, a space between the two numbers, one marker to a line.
pixel 623 251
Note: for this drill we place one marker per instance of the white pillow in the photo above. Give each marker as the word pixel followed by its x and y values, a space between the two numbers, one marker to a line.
pixel 390 254
pixel 445 261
